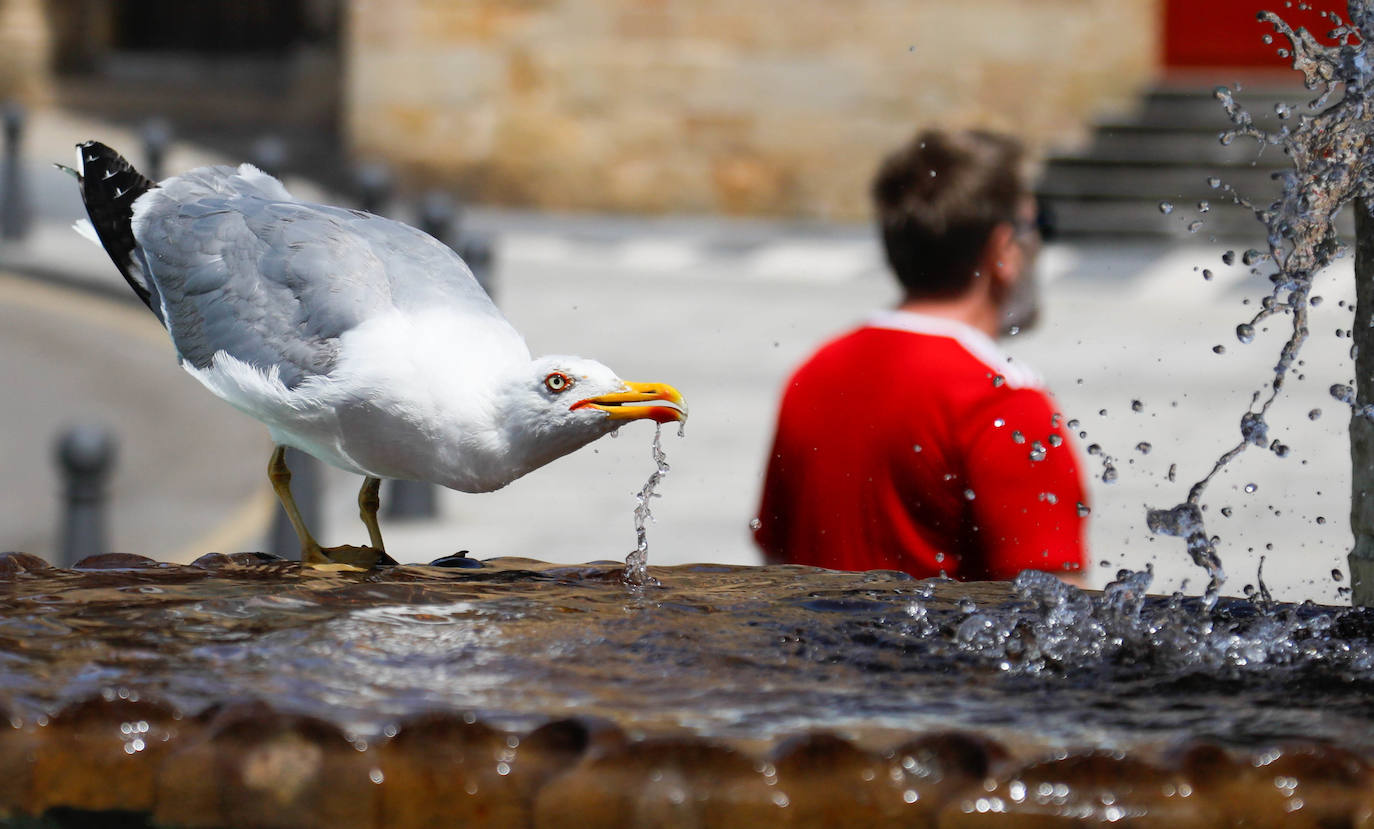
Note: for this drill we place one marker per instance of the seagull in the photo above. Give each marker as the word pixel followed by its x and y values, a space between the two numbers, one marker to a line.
pixel 356 339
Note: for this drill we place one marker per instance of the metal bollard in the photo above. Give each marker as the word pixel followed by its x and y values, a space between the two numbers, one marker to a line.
pixel 306 486
pixel 478 252
pixel 438 215
pixel 15 212
pixel 271 155
pixel 157 136
pixel 374 184
pixel 411 499
pixel 86 457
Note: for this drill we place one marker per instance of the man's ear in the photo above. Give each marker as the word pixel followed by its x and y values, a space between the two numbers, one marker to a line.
pixel 1003 259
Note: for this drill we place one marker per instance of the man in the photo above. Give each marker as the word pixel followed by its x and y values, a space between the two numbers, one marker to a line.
pixel 912 443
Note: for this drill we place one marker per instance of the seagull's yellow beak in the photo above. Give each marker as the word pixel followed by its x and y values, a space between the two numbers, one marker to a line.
pixel 658 402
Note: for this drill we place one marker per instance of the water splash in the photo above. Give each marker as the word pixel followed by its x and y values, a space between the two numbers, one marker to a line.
pixel 637 562
pixel 1332 147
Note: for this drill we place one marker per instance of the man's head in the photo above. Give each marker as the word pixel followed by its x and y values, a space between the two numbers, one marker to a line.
pixel 955 207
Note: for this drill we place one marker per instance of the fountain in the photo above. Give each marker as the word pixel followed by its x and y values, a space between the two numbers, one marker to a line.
pixel 244 690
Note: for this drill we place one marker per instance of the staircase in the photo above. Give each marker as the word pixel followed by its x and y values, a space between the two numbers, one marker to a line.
pixel 1170 152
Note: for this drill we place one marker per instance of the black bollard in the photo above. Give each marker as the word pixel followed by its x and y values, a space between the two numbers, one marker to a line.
pixel 270 155
pixel 411 499
pixel 477 251
pixel 306 486
pixel 157 136
pixel 417 499
pixel 15 213
pixel 374 183
pixel 438 215
pixel 86 457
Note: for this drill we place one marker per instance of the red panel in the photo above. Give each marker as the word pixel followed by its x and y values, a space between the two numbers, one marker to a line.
pixel 1227 32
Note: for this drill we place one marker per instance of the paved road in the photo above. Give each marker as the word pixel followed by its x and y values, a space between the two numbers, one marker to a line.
pixel 182 484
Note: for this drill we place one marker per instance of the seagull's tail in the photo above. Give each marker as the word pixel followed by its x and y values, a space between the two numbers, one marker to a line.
pixel 109 186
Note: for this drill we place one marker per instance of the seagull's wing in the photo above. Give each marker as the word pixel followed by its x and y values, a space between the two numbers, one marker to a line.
pixel 243 268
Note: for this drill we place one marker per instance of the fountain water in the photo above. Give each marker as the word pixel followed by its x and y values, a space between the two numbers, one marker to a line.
pixel 1331 148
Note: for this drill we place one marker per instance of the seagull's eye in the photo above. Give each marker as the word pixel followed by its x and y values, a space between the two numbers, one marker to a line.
pixel 557 382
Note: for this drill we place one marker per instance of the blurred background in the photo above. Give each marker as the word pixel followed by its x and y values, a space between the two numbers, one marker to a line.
pixel 679 190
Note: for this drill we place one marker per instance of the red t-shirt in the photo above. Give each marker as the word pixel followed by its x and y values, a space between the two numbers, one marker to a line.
pixel 914 444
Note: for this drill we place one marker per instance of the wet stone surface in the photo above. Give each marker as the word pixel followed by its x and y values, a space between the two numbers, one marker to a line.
pixel 246 691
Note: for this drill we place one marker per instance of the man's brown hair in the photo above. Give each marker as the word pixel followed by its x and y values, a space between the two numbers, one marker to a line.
pixel 938 198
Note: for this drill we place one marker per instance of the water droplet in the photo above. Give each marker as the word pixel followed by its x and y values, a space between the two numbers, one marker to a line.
pixel 1166 207
pixel 1194 226
pixel 1218 349
pixel 1203 207
pixel 1251 487
pixel 1143 448
pixel 1245 332
pixel 1207 274
pixel 1268 38
pixel 1314 414
pixel 375 775
pixel 1137 406
pixel 1228 258
pixel 1321 519
pixel 998 380
pixel 999 423
pixel 1037 452
pixel 1343 393
pixel 755 524
pixel 1213 182
pixel 1226 511
pixel 1173 470
pixel 1336 574
pixel 1253 256
pixel 1109 474
pixel 1055 440
pixel 1083 510
pixel 939 558
pixel 1253 428
pixel 916 447
pixel 1017 437
pixel 1094 449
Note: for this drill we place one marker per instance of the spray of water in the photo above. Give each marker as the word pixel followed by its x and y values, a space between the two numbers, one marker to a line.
pixel 1332 150
pixel 637 562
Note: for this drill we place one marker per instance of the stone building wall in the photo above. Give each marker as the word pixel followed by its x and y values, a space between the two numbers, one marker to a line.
pixel 25 52
pixel 777 107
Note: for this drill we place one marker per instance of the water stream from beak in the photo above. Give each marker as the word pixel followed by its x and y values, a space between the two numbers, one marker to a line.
pixel 637 562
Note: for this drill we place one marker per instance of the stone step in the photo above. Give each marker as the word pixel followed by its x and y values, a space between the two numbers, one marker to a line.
pixel 1076 218
pixel 1084 178
pixel 1171 151
pixel 1126 143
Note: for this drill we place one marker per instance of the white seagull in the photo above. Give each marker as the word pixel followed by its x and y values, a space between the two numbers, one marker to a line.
pixel 359 340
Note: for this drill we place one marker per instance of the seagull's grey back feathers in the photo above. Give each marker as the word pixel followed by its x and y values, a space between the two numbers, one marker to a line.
pixel 243 267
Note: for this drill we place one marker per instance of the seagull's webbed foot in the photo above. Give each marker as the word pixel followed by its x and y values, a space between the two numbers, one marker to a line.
pixel 364 558
pixel 312 553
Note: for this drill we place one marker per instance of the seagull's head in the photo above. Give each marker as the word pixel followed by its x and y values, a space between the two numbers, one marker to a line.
pixel 561 404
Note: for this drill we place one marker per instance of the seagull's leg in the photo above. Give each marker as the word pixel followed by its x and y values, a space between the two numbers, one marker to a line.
pixel 280 475
pixel 369 501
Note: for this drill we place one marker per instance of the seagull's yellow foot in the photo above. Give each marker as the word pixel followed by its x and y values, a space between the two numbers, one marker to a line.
pixel 362 558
